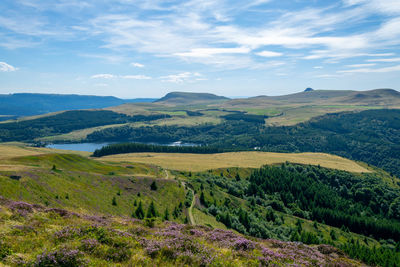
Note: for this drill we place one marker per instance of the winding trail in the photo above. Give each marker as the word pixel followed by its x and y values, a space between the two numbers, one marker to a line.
pixel 166 174
pixel 190 210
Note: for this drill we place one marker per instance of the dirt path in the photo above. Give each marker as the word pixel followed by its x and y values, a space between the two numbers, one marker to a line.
pixel 190 210
pixel 166 174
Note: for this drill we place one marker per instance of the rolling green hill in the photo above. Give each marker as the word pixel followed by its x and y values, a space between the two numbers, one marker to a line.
pixel 355 212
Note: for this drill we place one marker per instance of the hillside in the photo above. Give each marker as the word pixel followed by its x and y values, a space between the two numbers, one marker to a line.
pixel 35 235
pixel 184 98
pixel 125 203
pixel 26 104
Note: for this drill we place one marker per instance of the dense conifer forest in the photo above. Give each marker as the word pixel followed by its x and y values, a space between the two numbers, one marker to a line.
pixel 358 203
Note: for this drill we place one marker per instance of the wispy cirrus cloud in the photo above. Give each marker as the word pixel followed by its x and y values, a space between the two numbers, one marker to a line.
pixel 137 65
pixel 4 67
pixel 371 70
pixel 113 76
pixel 135 77
pixel 183 77
pixel 103 76
pixel 396 59
pixel 236 40
pixel 269 54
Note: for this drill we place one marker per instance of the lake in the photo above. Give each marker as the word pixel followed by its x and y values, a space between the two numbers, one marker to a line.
pixel 91 147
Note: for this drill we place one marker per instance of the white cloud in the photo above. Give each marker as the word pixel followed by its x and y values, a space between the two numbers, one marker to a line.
pixel 208 52
pixel 6 67
pixel 182 77
pixel 369 70
pixel 318 67
pixel 361 65
pixel 135 77
pixel 103 76
pixel 377 6
pixel 137 65
pixel 327 76
pixel 112 76
pixel 396 59
pixel 266 53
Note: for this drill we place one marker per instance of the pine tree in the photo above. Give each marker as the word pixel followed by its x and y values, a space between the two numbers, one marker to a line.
pixel 114 201
pixel 151 211
pixel 202 199
pixel 139 213
pixel 237 177
pixel 166 215
pixel 153 186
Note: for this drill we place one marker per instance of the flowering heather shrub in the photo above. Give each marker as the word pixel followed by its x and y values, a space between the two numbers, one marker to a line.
pixel 60 258
pixel 22 229
pixel 121 233
pixel 100 220
pixel 196 232
pixel 62 212
pixel 177 246
pixel 139 231
pixel 295 253
pixel 89 245
pixel 67 233
pixel 229 239
pixel 243 244
pixel 16 260
pixel 21 208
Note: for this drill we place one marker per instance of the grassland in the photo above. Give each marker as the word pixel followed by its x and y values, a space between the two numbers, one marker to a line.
pixel 202 162
pixel 207 220
pixel 10 150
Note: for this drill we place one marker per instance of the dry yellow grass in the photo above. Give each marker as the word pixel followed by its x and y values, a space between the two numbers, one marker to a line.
pixel 12 150
pixel 253 159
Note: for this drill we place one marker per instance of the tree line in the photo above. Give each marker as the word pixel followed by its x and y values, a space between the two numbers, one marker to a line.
pixel 138 147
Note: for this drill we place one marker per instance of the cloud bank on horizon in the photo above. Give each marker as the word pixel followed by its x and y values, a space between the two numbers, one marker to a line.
pixel 145 48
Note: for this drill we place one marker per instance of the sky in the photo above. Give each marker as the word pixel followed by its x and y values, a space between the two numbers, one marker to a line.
pixel 142 48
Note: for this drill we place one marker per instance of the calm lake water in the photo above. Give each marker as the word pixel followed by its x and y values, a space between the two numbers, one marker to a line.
pixel 91 147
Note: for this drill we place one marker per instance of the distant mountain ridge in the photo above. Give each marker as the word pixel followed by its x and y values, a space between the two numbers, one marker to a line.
pixel 27 104
pixel 370 97
pixel 187 98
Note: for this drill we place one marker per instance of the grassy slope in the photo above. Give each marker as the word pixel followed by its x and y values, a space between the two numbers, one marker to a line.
pixel 90 186
pixel 202 162
pixel 80 183
pixel 119 241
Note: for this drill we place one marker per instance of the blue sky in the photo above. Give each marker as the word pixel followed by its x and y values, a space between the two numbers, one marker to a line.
pixel 141 48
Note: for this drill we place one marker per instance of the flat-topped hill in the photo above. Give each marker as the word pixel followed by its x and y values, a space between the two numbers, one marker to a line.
pixel 183 98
